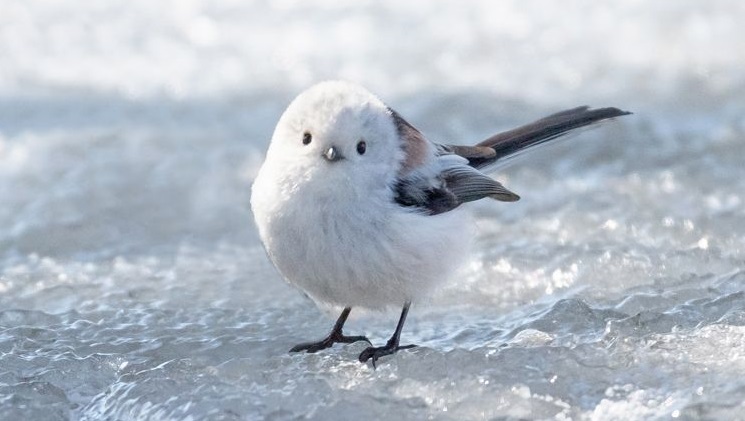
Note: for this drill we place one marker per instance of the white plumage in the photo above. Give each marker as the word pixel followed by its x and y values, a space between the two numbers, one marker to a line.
pixel 333 229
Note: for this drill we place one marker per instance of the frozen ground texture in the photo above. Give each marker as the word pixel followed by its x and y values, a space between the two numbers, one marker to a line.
pixel 133 285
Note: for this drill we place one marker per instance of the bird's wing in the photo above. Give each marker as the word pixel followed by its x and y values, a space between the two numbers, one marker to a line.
pixel 469 184
pixel 437 178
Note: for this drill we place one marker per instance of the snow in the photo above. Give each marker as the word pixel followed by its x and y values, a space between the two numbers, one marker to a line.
pixel 133 284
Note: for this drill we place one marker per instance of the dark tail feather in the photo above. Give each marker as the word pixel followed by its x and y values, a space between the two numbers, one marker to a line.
pixel 541 131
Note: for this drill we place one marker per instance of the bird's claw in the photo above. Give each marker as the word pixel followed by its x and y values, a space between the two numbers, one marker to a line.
pixel 311 347
pixel 373 353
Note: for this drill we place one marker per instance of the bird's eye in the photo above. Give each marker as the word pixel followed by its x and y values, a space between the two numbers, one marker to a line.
pixel 307 138
pixel 361 147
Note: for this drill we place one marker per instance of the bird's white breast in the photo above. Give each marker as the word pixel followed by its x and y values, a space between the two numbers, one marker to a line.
pixel 348 249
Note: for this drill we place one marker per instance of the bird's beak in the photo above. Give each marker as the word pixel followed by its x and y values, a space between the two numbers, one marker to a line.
pixel 332 154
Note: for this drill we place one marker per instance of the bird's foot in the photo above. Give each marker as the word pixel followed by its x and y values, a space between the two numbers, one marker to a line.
pixel 328 342
pixel 373 353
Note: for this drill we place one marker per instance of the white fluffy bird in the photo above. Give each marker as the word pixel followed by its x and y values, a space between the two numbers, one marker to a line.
pixel 358 209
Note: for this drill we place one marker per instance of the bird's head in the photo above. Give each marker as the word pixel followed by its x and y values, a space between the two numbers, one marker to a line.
pixel 336 136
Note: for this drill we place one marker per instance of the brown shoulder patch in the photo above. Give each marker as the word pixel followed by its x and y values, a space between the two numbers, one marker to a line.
pixel 414 144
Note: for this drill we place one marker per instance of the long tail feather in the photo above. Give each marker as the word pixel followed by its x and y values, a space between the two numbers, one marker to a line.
pixel 517 140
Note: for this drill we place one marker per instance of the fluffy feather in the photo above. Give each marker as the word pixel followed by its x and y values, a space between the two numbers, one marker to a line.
pixel 333 229
pixel 380 227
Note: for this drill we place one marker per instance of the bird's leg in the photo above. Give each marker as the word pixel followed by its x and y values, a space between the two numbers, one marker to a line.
pixel 334 337
pixel 392 345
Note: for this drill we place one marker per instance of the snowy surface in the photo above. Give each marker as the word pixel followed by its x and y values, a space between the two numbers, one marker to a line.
pixel 133 285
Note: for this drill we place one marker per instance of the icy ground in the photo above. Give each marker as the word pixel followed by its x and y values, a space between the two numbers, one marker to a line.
pixel 133 285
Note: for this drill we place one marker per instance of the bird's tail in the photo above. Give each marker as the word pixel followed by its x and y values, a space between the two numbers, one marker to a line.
pixel 514 141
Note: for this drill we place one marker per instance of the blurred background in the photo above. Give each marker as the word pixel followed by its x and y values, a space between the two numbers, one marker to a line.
pixel 133 284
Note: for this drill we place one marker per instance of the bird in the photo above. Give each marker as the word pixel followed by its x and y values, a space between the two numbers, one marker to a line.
pixel 358 209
